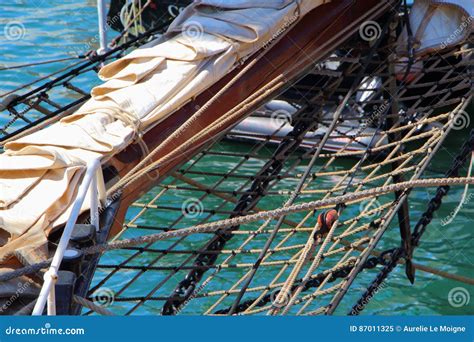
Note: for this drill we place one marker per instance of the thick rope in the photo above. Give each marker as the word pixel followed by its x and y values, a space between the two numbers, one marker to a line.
pixel 24 271
pixel 215 226
pixel 286 292
pixel 462 202
pixel 314 265
pixel 142 168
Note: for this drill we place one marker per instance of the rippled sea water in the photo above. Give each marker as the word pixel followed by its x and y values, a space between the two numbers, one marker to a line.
pixel 53 29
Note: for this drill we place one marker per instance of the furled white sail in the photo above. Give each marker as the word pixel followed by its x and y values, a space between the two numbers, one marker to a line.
pixel 40 173
pixel 438 24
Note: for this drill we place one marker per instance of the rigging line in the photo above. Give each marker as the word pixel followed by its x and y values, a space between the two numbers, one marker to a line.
pixel 420 227
pixel 313 149
pixel 303 179
pixel 293 196
pixel 290 201
pixel 129 178
pixel 235 168
pixel 92 306
pixel 403 212
pixel 245 204
pixel 43 119
pixel 256 148
pixel 140 170
pixel 368 151
pixel 237 111
pixel 245 275
pixel 96 60
pixel 389 217
pixel 181 266
pixel 40 79
pixel 19 66
pixel 239 220
pixel 308 206
pixel 351 278
pixel 109 275
pixel 129 24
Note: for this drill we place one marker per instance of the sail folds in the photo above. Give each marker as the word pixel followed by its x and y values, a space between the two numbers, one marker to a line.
pixel 40 173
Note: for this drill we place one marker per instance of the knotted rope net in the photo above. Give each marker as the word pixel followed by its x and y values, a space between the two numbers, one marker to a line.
pixel 386 131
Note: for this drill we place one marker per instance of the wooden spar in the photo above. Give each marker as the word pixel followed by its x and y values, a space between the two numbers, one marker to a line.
pixel 317 35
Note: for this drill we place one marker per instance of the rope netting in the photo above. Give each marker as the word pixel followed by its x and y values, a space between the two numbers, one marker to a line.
pixel 357 125
pixel 304 262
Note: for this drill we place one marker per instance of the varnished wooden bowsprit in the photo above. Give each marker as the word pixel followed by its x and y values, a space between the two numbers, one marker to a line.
pixel 317 35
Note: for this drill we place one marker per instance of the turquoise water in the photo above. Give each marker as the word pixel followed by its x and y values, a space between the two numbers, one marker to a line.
pixel 57 29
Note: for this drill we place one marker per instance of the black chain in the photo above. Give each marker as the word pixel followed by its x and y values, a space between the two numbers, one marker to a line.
pixel 389 258
pixel 341 273
pixel 246 203
pixel 433 206
pixel 186 287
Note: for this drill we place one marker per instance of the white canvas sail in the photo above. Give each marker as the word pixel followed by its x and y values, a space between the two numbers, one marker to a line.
pixel 40 173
